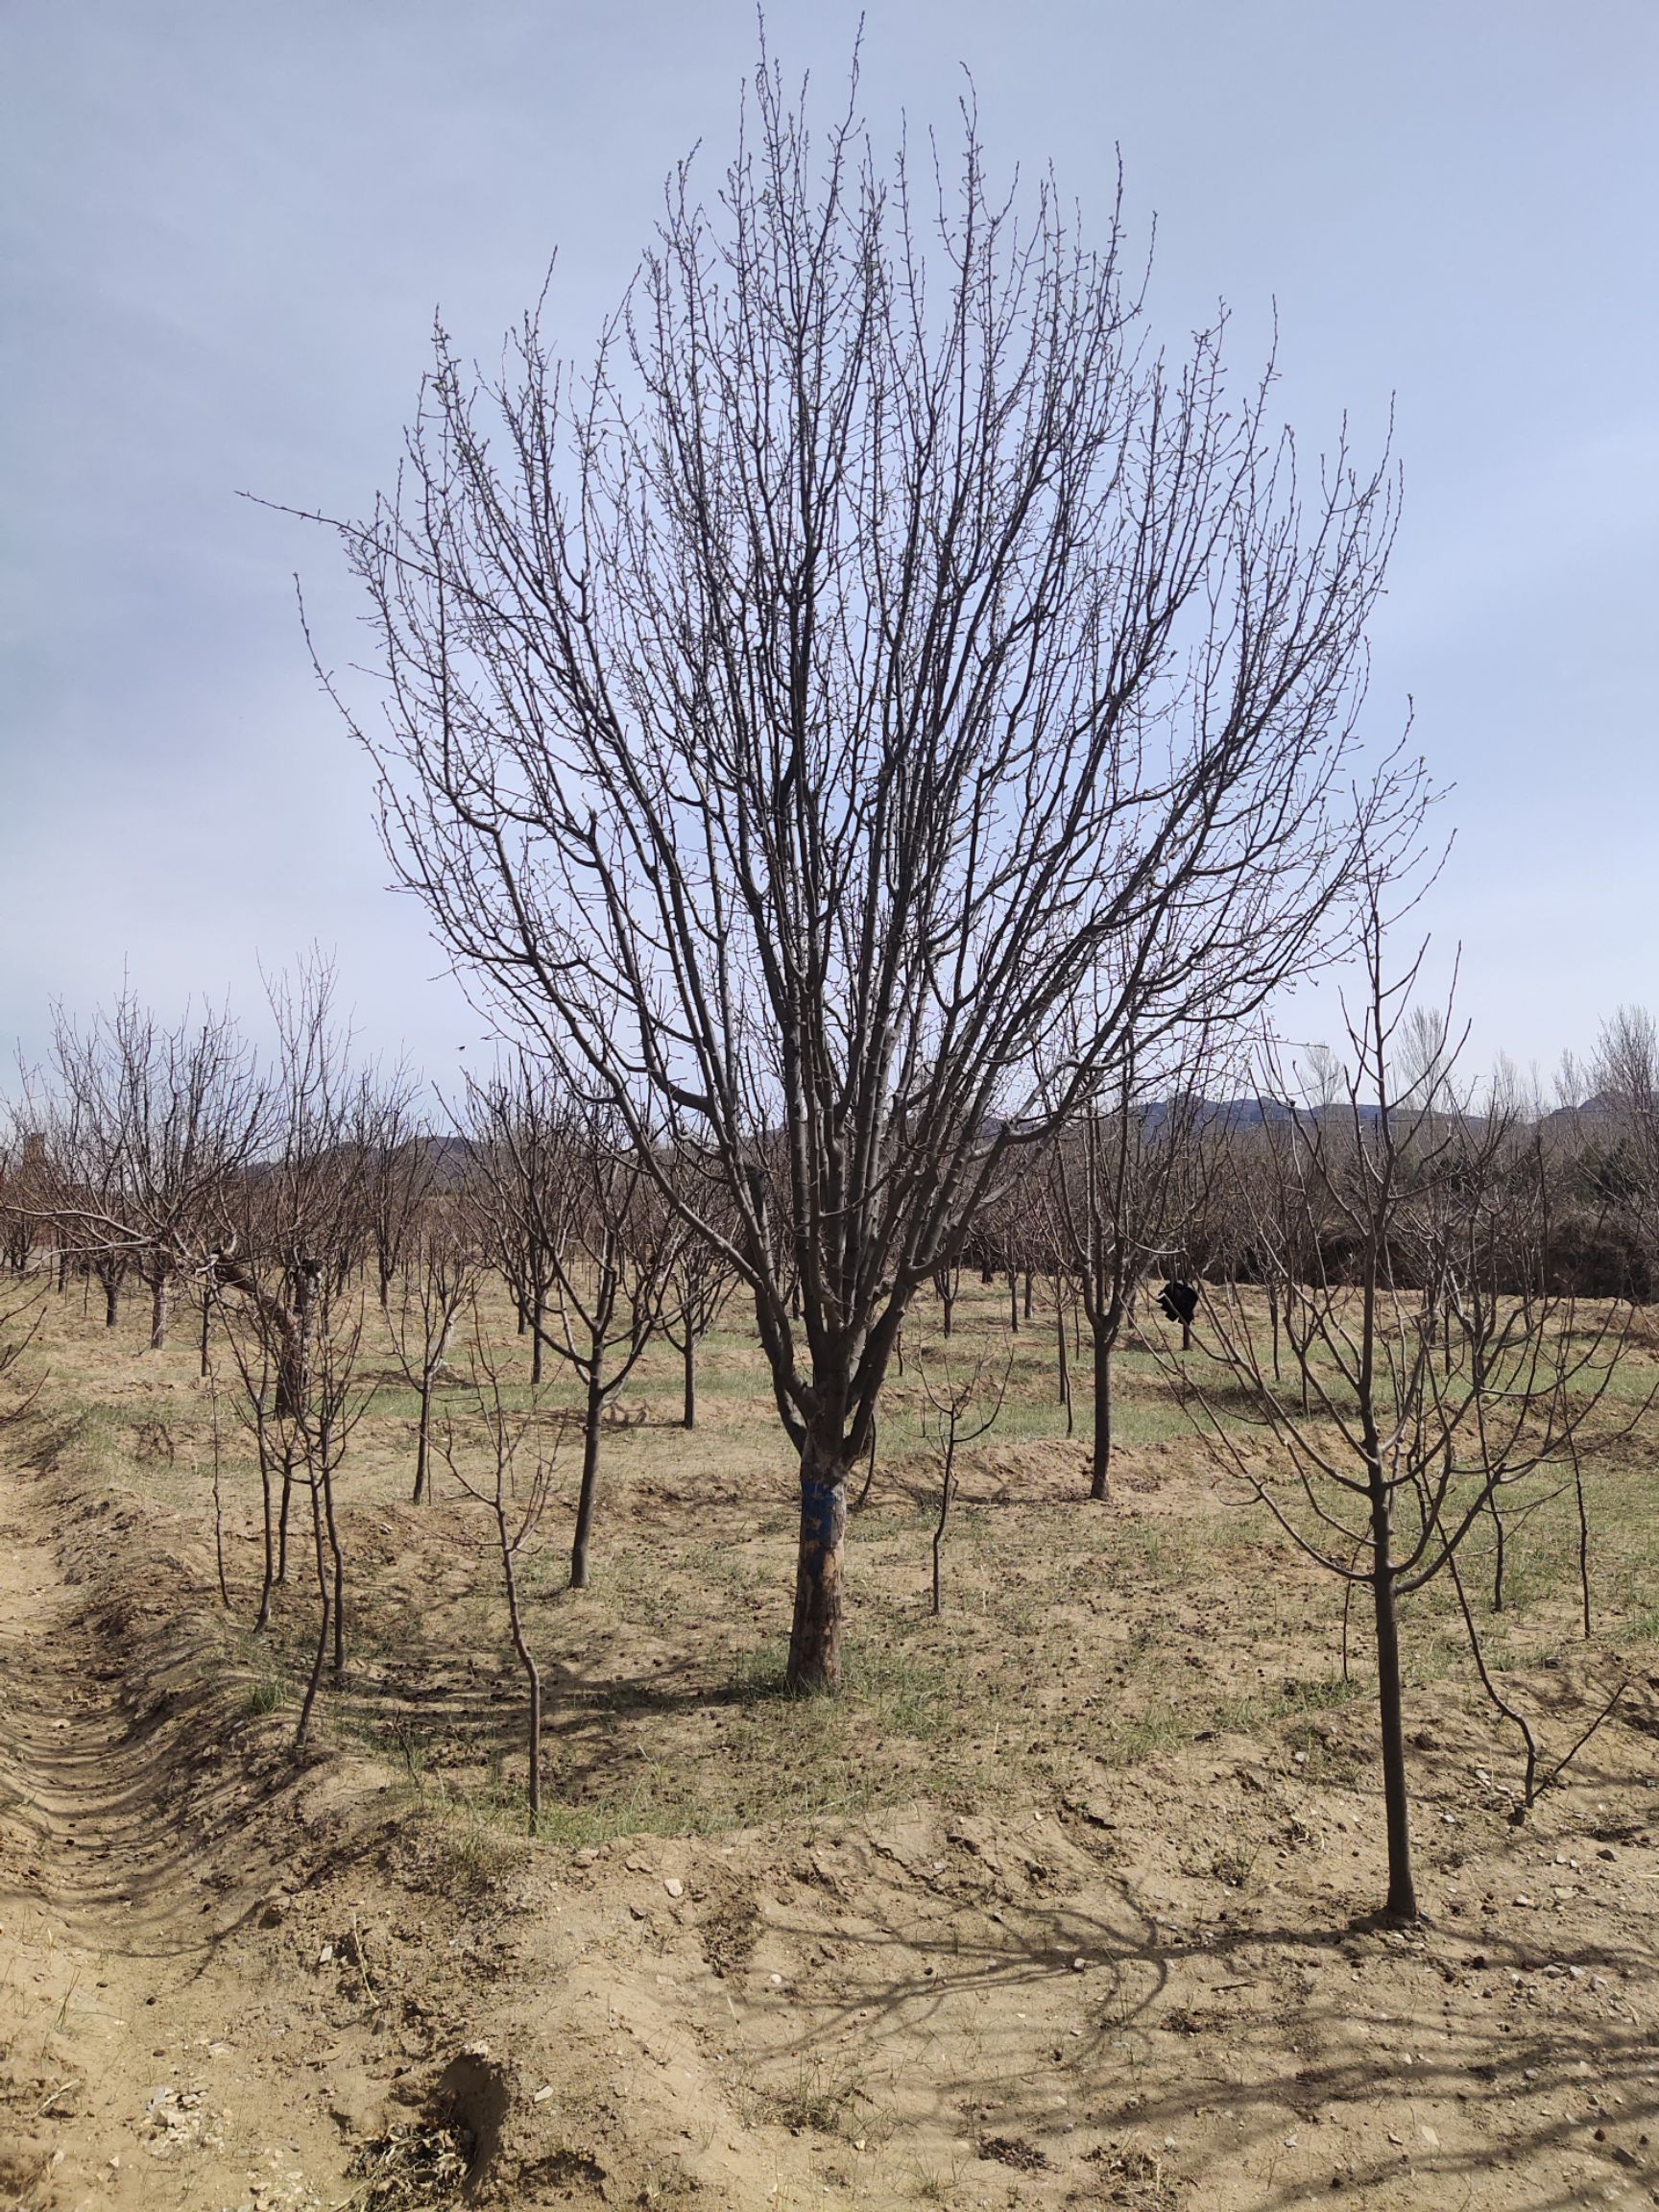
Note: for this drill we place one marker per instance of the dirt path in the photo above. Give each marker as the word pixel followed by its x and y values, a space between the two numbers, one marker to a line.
pixel 130 2067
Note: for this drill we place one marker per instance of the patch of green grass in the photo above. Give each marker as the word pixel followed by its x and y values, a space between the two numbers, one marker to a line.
pixel 264 1694
pixel 817 2099
pixel 1318 1692
pixel 1234 1858
pixel 1162 1728
pixel 474 1852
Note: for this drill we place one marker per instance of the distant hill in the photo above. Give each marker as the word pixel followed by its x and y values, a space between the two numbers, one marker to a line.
pixel 1236 1114
pixel 1600 1106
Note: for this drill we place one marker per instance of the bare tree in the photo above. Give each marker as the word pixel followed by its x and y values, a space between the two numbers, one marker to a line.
pixel 400 1162
pixel 335 1405
pixel 259 1337
pixel 1410 1432
pixel 788 719
pixel 608 1241
pixel 20 1305
pixel 438 1278
pixel 147 1130
pixel 297 1225
pixel 26 1185
pixel 966 1397
pixel 701 1278
pixel 518 1506
pixel 511 1130
pixel 1626 1090
pixel 294 1228
pixel 1113 1196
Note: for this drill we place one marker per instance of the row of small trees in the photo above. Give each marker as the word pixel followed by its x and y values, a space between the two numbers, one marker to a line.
pixel 170 1157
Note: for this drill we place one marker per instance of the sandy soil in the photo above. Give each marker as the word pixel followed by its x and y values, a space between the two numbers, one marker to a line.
pixel 1138 1980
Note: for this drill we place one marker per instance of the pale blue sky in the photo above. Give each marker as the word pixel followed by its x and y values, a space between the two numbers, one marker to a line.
pixel 225 229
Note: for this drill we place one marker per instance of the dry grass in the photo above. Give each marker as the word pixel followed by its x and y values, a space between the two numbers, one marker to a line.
pixel 1068 1633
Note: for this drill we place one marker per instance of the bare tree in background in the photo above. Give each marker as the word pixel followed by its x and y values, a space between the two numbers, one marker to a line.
pixel 20 1307
pixel 26 1185
pixel 1115 1194
pixel 788 719
pixel 607 1240
pixel 437 1280
pixel 512 1131
pixel 299 1223
pixel 1624 1076
pixel 146 1130
pixel 701 1278
pixel 281 1269
pixel 399 1164
pixel 966 1399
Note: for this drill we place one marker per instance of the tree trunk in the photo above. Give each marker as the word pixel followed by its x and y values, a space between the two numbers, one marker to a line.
pixel 219 1511
pixel 1498 1551
pixel 282 1521
pixel 688 1418
pixel 263 1618
pixel 816 1637
pixel 158 1308
pixel 532 1673
pixel 423 1439
pixel 1400 1906
pixel 1100 1456
pixel 324 1623
pixel 111 1300
pixel 337 1560
pixel 534 1789
pixel 1060 1350
pixel 589 1483
pixel 947 1486
pixel 296 1327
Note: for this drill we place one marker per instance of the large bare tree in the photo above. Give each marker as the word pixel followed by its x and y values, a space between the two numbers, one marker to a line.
pixel 789 718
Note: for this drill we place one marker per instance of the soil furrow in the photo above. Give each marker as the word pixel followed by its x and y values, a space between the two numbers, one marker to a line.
pixel 125 2078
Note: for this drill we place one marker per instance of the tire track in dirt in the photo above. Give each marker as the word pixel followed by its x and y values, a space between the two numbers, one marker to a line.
pixel 118 2085
pixel 80 1784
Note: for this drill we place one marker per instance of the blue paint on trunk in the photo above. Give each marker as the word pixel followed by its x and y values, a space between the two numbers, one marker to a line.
pixel 818 1503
